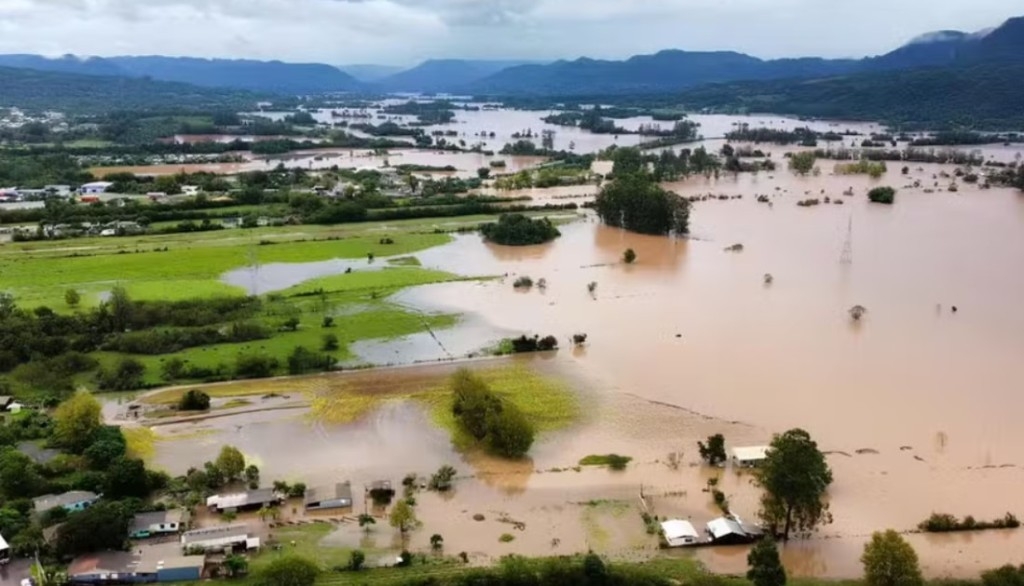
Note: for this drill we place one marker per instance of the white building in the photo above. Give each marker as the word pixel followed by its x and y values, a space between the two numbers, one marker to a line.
pixel 679 533
pixel 750 456
pixel 94 188
pixel 219 538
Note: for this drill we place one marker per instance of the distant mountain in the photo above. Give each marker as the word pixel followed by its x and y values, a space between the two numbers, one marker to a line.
pixel 979 95
pixel 662 72
pixel 262 76
pixel 444 75
pixel 64 64
pixel 266 76
pixel 938 48
pixel 369 73
pixel 31 89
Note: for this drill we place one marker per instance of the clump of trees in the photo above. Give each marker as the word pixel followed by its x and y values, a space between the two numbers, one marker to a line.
pixel 194 400
pixel 794 477
pixel 490 420
pixel 802 163
pixel 629 257
pixel 943 522
pixel 288 571
pixel 519 230
pixel 886 195
pixel 524 344
pixel 713 452
pixel 635 202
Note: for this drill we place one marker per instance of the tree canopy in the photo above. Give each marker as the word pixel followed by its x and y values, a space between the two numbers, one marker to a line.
pixel 498 424
pixel 765 567
pixel 519 230
pixel 101 526
pixel 794 477
pixel 76 420
pixel 890 561
pixel 638 204
pixel 230 462
pixel 288 571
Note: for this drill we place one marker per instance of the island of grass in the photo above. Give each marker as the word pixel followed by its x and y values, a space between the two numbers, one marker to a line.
pixel 519 230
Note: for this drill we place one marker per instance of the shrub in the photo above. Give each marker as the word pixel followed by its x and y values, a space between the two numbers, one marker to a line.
pixel 629 257
pixel 523 282
pixel 194 400
pixel 356 561
pixel 255 366
pixel 944 522
pixel 330 343
pixel 714 451
pixel 507 538
pixel 886 195
pixel 126 376
pixel 613 461
pixel 441 481
pixel 519 230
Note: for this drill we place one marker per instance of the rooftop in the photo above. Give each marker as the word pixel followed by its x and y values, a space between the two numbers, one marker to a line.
pixel 342 490
pixel 242 499
pixel 143 521
pixel 750 453
pixel 679 532
pixel 146 560
pixel 52 501
pixel 200 535
pixel 733 525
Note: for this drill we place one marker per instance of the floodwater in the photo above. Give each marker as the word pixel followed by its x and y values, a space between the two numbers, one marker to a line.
pixel 917 404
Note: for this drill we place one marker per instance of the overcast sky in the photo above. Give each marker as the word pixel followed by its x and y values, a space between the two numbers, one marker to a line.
pixel 403 32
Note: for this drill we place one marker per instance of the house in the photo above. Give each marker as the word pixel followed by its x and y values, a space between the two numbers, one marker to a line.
pixel 251 500
pixel 76 500
pixel 219 538
pixel 5 551
pixel 732 530
pixel 679 533
pixel 58 190
pixel 158 523
pixel 162 563
pixel 750 456
pixel 322 498
pixel 94 188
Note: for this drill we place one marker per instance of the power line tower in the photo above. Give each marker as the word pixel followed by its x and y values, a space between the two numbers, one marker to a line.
pixel 846 257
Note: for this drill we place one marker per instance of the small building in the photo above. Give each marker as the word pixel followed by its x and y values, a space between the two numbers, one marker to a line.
pixel 5 551
pixel 58 190
pixel 94 188
pixel 225 538
pixel 190 189
pixel 158 523
pixel 76 500
pixel 679 533
pixel 731 530
pixel 750 456
pixel 322 498
pixel 162 563
pixel 5 402
pixel 250 500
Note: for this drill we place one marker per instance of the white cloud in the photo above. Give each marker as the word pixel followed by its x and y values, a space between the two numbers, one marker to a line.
pixel 405 31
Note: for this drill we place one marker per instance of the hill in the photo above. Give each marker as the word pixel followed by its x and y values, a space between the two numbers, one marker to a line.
pixel 30 89
pixel 368 73
pixel 443 75
pixel 982 96
pixel 260 76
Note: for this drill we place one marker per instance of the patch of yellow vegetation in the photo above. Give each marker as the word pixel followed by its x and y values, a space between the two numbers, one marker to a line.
pixel 306 386
pixel 141 441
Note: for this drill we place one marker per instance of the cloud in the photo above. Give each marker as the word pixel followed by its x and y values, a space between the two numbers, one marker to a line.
pixel 405 31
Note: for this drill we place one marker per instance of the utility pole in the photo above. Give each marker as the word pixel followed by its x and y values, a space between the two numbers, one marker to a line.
pixel 846 257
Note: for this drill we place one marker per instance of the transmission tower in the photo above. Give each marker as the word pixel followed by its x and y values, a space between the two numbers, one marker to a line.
pixel 846 257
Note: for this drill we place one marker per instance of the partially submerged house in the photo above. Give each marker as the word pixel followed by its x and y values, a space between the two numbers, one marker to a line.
pixel 322 498
pixel 750 456
pixel 163 563
pixel 226 538
pixel 250 500
pixel 76 500
pixel 732 530
pixel 679 533
pixel 158 523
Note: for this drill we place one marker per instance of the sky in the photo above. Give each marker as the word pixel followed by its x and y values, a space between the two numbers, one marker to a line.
pixel 405 32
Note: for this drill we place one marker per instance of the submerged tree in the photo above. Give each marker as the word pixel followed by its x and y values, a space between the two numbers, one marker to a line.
pixel 638 204
pixel 714 451
pixel 795 477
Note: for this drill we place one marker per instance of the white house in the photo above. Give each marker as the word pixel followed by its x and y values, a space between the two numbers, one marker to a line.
pixel 679 533
pixel 94 188
pixel 219 538
pixel 158 523
pixel 750 456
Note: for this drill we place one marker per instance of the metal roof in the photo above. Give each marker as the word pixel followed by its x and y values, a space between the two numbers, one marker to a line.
pixel 214 533
pixel 341 490
pixel 243 499
pixel 52 501
pixel 750 453
pixel 143 521
pixel 678 532
pixel 723 526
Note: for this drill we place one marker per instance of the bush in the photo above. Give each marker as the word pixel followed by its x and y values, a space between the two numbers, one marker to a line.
pixel 519 230
pixel 194 400
pixel 886 195
pixel 629 257
pixel 255 366
pixel 330 343
pixel 523 282
pixel 127 376
pixel 441 481
pixel 356 561
pixel 944 523
pixel 613 461
pixel 288 571
pixel 714 451
pixel 303 360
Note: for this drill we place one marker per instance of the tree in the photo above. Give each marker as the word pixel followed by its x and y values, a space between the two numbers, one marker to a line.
pixel 595 569
pixel 802 163
pixel 627 161
pixel 403 517
pixel 127 376
pixel 714 451
pixel 252 476
pixel 194 400
pixel 890 561
pixel 126 477
pixel 629 257
pixel 1004 576
pixel 330 343
pixel 236 565
pixel 108 444
pixel 102 526
pixel 365 520
pixel 483 172
pixel 72 298
pixel 436 542
pixel 288 571
pixel 794 476
pixel 519 230
pixel 765 567
pixel 119 308
pixel 886 195
pixel 18 475
pixel 75 421
pixel 441 481
pixel 509 432
pixel 230 462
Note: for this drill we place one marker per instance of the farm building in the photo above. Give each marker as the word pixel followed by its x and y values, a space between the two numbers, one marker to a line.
pixel 158 523
pixel 732 530
pixel 219 538
pixel 149 565
pixel 338 496
pixel 94 188
pixel 252 500
pixel 750 456
pixel 679 533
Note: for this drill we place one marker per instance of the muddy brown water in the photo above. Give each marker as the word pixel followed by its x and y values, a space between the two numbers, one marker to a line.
pixel 691 341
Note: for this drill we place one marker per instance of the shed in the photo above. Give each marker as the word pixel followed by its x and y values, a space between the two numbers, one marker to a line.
pixel 732 530
pixel 750 455
pixel 679 533
pixel 244 501
pixel 338 496
pixel 218 538
pixel 158 523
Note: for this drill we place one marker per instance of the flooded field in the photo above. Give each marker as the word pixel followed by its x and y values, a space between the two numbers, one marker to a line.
pixel 917 404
